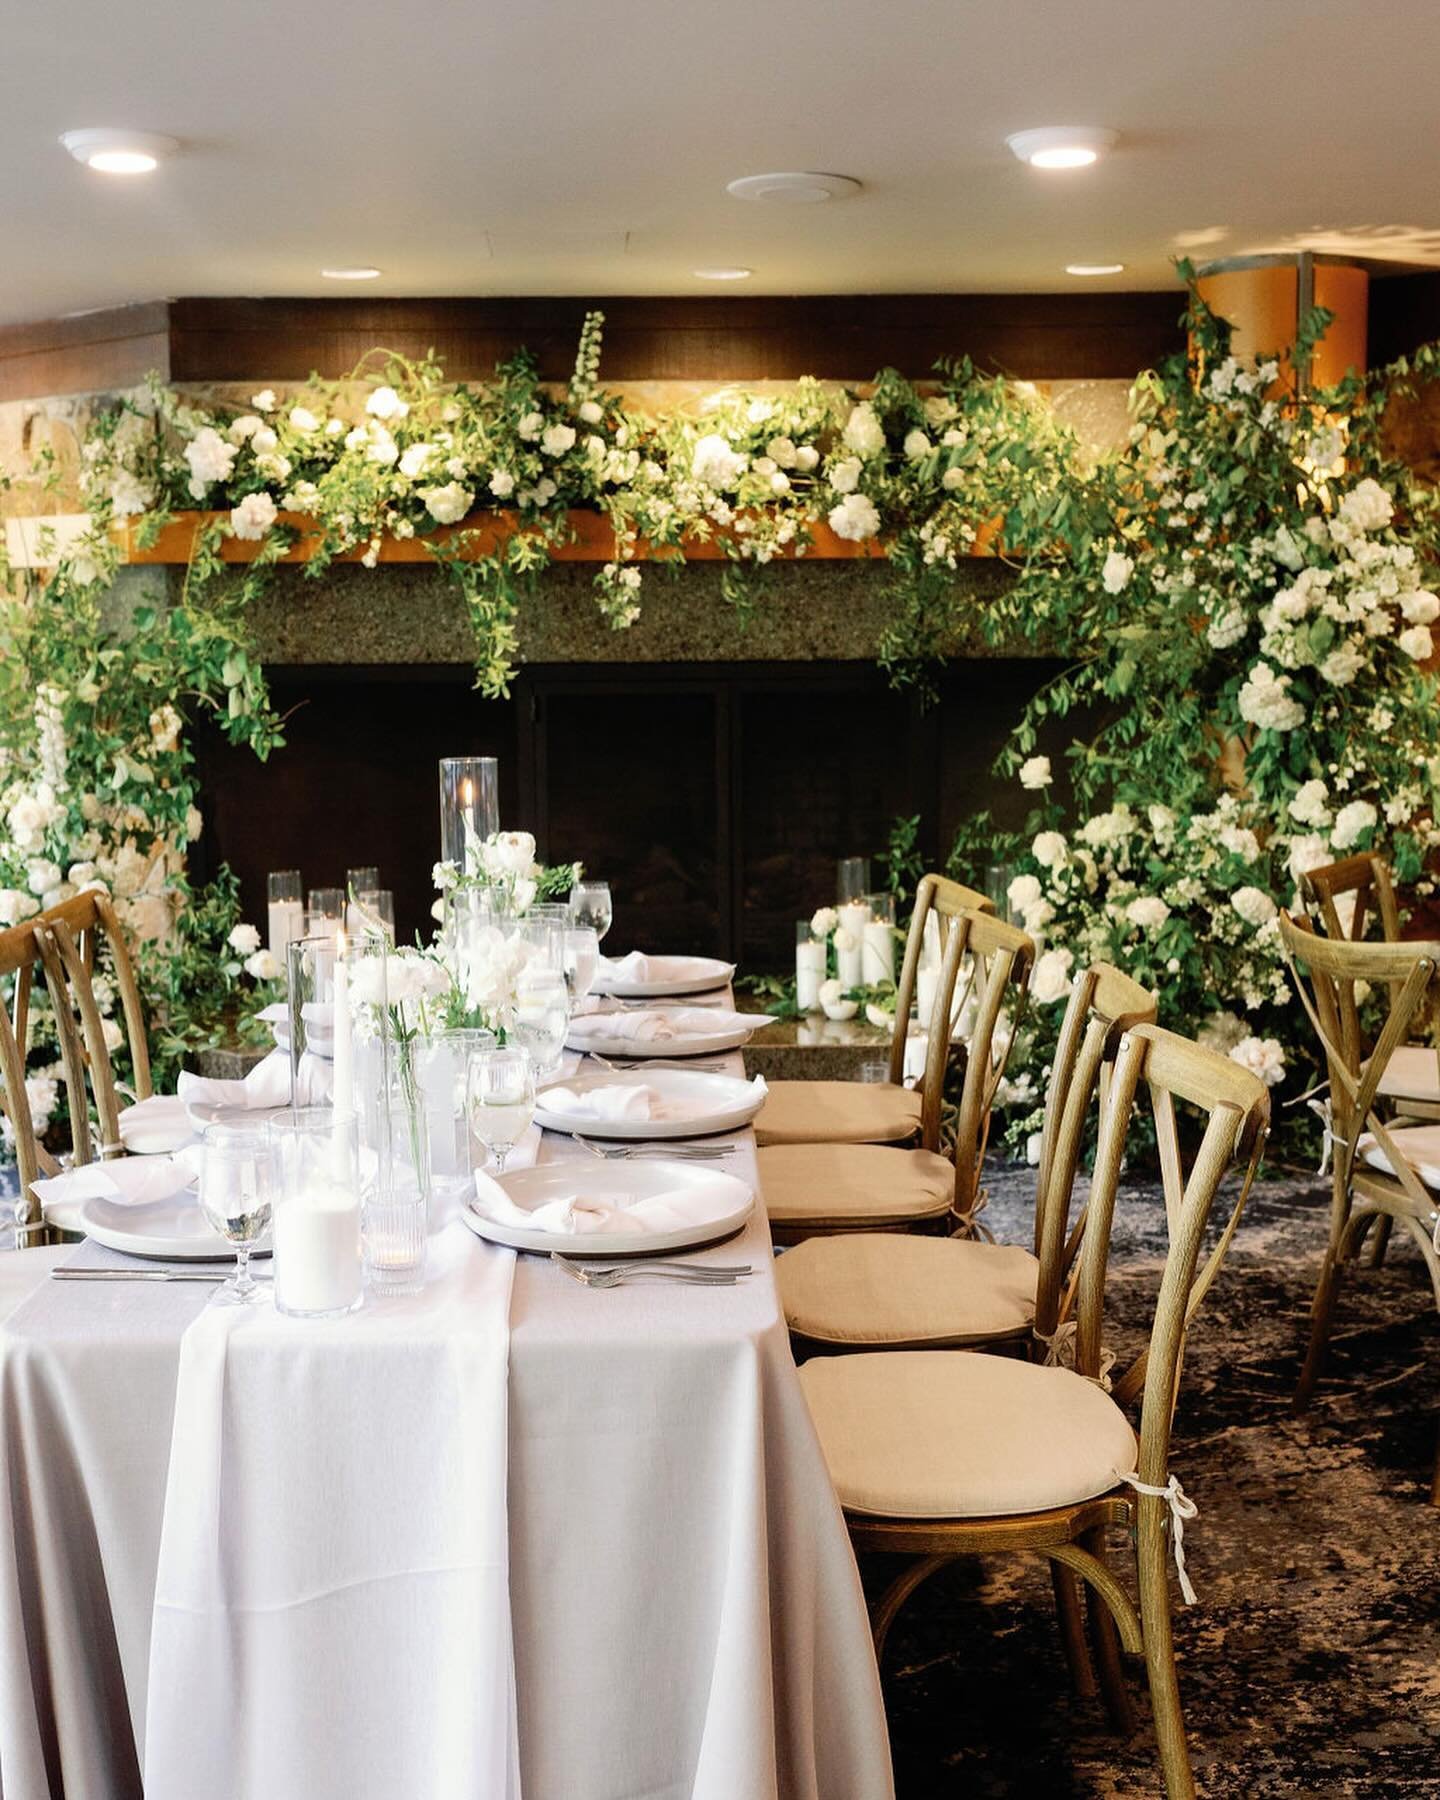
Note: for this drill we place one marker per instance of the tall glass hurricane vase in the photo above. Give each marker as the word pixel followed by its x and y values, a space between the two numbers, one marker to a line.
pixel 469 804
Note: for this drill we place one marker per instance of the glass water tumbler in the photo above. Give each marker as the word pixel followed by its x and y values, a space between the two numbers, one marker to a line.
pixel 469 804
pixel 318 1267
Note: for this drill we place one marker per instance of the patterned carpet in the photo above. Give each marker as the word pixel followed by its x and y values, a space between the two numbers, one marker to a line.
pixel 1311 1666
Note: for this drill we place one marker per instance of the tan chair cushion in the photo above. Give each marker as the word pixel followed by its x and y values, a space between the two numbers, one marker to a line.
pixel 837 1112
pixel 952 1434
pixel 1411 1074
pixel 885 1288
pixel 814 1184
pixel 23 1272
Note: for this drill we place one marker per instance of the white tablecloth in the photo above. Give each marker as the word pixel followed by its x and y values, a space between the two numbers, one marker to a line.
pixel 686 1615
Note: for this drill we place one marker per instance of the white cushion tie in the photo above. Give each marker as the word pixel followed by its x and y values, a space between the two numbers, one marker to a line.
pixel 1060 1352
pixel 1182 1507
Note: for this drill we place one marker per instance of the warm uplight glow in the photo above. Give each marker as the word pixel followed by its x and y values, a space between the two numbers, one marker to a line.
pixel 1094 268
pixel 724 274
pixel 115 152
pixel 356 274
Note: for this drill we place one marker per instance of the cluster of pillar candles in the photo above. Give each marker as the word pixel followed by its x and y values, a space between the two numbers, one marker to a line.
pixel 864 939
pixel 362 904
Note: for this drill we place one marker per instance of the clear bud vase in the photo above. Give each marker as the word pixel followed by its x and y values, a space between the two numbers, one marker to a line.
pixel 394 1155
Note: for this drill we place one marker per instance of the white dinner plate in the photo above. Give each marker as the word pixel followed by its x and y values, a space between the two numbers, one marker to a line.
pixel 172 1230
pixel 616 1181
pixel 156 1126
pixel 697 1104
pixel 708 1043
pixel 702 975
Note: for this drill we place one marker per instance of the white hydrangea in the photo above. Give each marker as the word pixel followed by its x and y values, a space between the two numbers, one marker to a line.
pixel 855 518
pixel 1035 772
pixel 1049 849
pixel 1310 804
pixel 1261 1056
pixel 555 440
pixel 1306 853
pixel 845 475
pixel 1367 506
pixel 716 463
pixel 1117 571
pixel 1254 905
pixel 1351 822
pixel 253 517
pixel 42 875
pixel 16 905
pixel 863 433
pixel 1221 1032
pixel 1148 911
pixel 1264 700
pixel 1341 666
pixel 449 504
pixel 1227 628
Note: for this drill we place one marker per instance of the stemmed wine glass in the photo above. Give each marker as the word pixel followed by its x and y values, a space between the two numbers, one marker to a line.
pixel 582 954
pixel 542 1015
pixel 500 1099
pixel 237 1196
pixel 590 904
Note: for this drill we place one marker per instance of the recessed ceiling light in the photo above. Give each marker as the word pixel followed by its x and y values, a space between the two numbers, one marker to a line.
pixel 357 274
pixel 1094 268
pixel 724 274
pixel 1062 146
pixel 790 189
pixel 115 152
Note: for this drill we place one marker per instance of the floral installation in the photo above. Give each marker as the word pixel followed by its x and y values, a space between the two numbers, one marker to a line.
pixel 504 865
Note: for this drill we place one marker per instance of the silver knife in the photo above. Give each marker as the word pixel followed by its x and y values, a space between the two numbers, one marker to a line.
pixel 143 1275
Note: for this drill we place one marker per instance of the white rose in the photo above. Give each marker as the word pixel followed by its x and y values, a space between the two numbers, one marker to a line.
pixel 1417 642
pixel 303 420
pixel 1341 666
pixel 253 517
pixel 1421 607
pixel 1035 772
pixel 530 425
pixel 782 452
pixel 1148 911
pixel 245 939
pixel 413 460
pixel 1308 806
pixel 263 965
pixel 1254 905
pixel 1033 1145
pixel 385 403
pixel 714 462
pixel 1051 978
pixel 1116 572
pixel 448 504
pixel 510 853
pixel 557 439
pixel 855 518
pixel 824 921
pixel 244 428
pixel 264 401
pixel 15 906
pixel 845 475
pixel 383 449
pixel 42 874
pixel 1263 1057
pixel 1024 892
pixel 502 483
pixel 1049 849
pixel 210 459
pixel 263 441
pixel 917 444
pixel 807 458
pixel 952 479
pixel 1351 822
pixel 863 433
pixel 779 482
pixel 591 412
pixel 1367 507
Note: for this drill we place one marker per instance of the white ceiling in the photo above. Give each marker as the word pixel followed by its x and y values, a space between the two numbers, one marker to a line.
pixel 576 147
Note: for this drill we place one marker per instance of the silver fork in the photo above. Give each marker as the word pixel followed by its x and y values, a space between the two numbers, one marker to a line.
pixel 652 1262
pixel 609 1278
pixel 678 1153
pixel 635 1064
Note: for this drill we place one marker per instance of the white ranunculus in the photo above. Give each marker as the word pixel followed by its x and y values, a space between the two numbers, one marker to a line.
pixel 502 483
pixel 917 444
pixel 863 433
pixel 530 425
pixel 210 459
pixel 1341 666
pixel 845 474
pixel 807 458
pixel 1352 822
pixel 1254 905
pixel 1261 1056
pixel 1024 892
pixel 263 965
pixel 1421 607
pixel 855 518
pixel 1417 643
pixel 1309 805
pixel 1367 506
pixel 1148 911
pixel 1035 772
pixel 413 460
pixel 42 874
pixel 824 921
pixel 591 412
pixel 1264 700
pixel 779 482
pixel 303 420
pixel 253 517
pixel 1049 849
pixel 241 430
pixel 782 452
pixel 385 403
pixel 508 853
pixel 449 504
pixel 382 449
pixel 715 462
pixel 245 939
pixel 263 441
pixel 555 440
pixel 1050 980
pixel 1117 572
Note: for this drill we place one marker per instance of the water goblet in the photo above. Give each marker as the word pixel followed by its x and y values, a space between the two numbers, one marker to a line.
pixel 582 956
pixel 590 904
pixel 542 1015
pixel 237 1196
pixel 500 1095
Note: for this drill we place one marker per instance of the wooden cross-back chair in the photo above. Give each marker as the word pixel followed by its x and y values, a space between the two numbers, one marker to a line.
pixel 943 1453
pixel 847 1112
pixel 1365 877
pixel 823 1188
pixel 1364 1196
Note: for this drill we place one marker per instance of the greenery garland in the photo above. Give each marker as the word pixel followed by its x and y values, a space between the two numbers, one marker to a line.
pixel 1241 591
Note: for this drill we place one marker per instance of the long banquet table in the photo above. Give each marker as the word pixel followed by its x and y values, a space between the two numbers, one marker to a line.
pixel 686 1617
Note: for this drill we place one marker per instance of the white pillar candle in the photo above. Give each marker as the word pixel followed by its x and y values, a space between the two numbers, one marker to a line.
pixel 878 953
pixel 809 973
pixel 317 1251
pixel 286 923
pixel 854 917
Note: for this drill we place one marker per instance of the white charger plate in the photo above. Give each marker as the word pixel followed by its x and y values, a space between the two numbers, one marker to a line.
pixel 645 1050
pixel 534 1187
pixel 704 977
pixel 709 1102
pixel 170 1230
